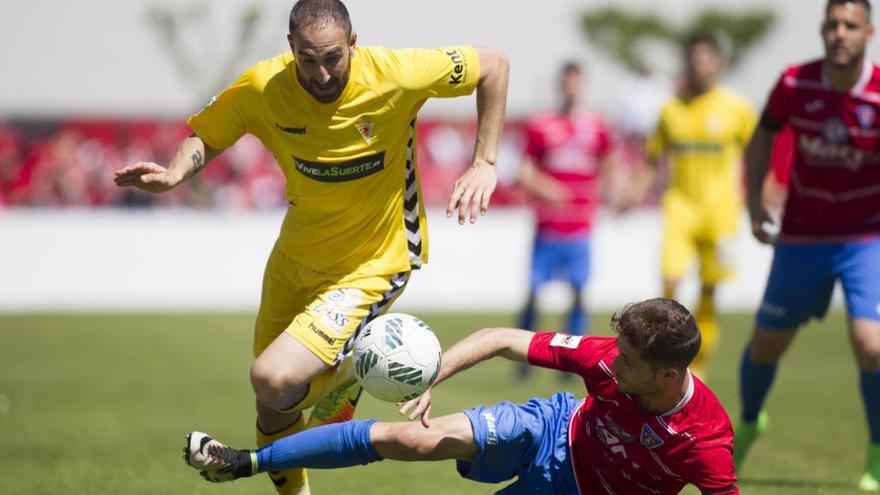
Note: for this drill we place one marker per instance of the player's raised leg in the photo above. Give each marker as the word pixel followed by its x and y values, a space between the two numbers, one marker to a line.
pixel 337 445
pixel 280 377
pixel 305 323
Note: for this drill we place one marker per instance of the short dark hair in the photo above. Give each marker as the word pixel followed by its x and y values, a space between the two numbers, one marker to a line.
pixel 662 330
pixel 866 3
pixel 570 66
pixel 306 12
pixel 702 37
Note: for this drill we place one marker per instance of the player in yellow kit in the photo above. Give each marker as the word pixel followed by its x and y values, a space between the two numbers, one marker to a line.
pixel 702 132
pixel 340 120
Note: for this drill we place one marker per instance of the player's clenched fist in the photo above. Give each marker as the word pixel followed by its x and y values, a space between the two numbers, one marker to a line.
pixel 150 177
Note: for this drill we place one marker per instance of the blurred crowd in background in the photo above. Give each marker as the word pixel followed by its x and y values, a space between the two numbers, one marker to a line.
pixel 60 164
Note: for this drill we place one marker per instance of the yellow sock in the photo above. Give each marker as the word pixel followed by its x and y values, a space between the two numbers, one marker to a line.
pixel 340 394
pixel 710 331
pixel 293 481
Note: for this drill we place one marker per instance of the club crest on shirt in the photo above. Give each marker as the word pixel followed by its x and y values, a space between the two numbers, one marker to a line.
pixel 865 115
pixel 834 130
pixel 567 341
pixel 366 129
pixel 650 439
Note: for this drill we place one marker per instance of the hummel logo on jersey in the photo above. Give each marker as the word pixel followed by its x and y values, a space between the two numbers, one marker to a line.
pixel 290 130
pixel 814 106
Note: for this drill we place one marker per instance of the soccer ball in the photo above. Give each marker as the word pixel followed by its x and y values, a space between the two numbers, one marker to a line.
pixel 396 357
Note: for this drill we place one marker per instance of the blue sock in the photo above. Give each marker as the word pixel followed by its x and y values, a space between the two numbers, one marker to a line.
pixel 527 318
pixel 754 383
pixel 324 447
pixel 577 318
pixel 869 383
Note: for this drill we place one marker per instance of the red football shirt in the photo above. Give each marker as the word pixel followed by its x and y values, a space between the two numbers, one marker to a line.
pixel 618 449
pixel 568 148
pixel 835 178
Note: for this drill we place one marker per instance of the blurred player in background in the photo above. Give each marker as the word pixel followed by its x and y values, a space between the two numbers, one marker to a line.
pixel 647 426
pixel 831 224
pixel 340 119
pixel 566 150
pixel 702 132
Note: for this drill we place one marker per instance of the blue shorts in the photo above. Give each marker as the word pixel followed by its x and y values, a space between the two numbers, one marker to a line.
pixel 802 278
pixel 529 441
pixel 555 258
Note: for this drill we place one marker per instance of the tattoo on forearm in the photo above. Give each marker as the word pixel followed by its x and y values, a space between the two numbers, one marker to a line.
pixel 198 161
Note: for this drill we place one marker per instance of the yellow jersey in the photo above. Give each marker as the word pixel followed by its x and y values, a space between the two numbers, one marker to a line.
pixel 704 137
pixel 350 165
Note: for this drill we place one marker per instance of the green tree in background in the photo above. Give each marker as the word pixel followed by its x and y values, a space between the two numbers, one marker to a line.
pixel 621 33
pixel 187 34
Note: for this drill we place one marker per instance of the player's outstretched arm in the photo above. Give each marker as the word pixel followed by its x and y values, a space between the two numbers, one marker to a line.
pixel 484 344
pixel 192 155
pixel 757 158
pixel 473 190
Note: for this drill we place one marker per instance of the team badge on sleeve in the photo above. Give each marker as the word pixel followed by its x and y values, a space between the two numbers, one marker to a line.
pixel 567 341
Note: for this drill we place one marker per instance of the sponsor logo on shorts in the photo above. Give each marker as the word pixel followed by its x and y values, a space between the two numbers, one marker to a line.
pixel 773 309
pixel 314 328
pixel 341 171
pixel 650 439
pixel 290 130
pixel 334 309
pixel 458 68
pixel 567 341
pixel 491 429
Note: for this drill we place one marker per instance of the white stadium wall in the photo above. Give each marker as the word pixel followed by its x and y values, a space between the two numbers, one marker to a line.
pixel 102 56
pixel 184 260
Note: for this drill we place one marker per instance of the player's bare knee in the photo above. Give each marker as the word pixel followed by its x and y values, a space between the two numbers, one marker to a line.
pixel 273 387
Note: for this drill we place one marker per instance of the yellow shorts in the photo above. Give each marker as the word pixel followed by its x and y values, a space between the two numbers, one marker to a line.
pixel 689 231
pixel 322 311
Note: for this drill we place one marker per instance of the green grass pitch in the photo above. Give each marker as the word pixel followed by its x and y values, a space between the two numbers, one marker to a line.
pixel 99 404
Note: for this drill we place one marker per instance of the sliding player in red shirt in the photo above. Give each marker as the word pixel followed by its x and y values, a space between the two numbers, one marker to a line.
pixel 648 426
